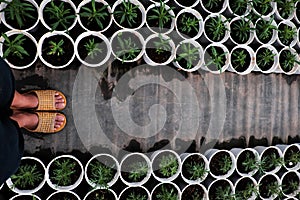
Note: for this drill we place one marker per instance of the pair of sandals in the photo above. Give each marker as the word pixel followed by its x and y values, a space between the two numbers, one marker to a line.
pixel 47 111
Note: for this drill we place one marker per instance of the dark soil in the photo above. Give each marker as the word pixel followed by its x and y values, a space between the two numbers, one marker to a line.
pixel 268 65
pixel 268 153
pixel 83 53
pixel 214 9
pixel 92 24
pixel 298 11
pixel 208 57
pixel 153 55
pixel 282 57
pixel 213 189
pixel 216 163
pixel 73 177
pixel 288 153
pixel 282 27
pixel 157 161
pixel 235 32
pixel 190 160
pixel 137 20
pixel 243 184
pixel 261 9
pixel 47 16
pixel 193 192
pixel 234 63
pixel 126 167
pixel 63 195
pixel 180 18
pixel 54 59
pixel 263 187
pixel 101 193
pixel 209 33
pixel 28 45
pixel 287 180
pixel 186 3
pixel 154 24
pixel 134 190
pixel 242 158
pixel 168 187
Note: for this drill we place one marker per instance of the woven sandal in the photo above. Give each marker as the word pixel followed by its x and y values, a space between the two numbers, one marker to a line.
pixel 46 99
pixel 46 123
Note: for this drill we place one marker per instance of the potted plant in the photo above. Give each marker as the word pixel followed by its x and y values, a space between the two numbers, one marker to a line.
pixel 285 9
pixel 221 189
pixel 187 4
pixel 242 59
pixel 101 194
pixel 216 58
pixel 267 58
pixel 134 193
pixel 194 192
pixel 288 60
pixel 168 191
pixel 135 169
pixel 242 30
pixel 129 14
pixel 92 49
pixel 102 171
pixel 239 7
pixel 56 49
pixel 25 197
pixel 290 183
pixel 216 28
pixel 291 156
pixel 63 195
pixel 189 24
pixel 194 167
pixel 269 187
pixel 271 158
pixel 166 165
pixel 287 33
pixel 160 18
pixel 188 55
pixel 58 15
pixel 264 8
pixel 94 15
pixel 246 188
pixel 64 172
pixel 214 6
pixel 29 178
pixel 127 45
pixel 297 12
pixel 266 30
pixel 221 163
pixel 160 50
pixel 17 14
pixel 18 48
pixel 246 161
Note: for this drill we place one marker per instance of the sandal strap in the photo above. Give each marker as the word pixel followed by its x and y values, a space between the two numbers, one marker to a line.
pixel 46 99
pixel 47 122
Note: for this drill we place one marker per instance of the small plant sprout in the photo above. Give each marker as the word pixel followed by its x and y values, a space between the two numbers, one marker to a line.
pixel 162 45
pixel 225 163
pixel 265 58
pixel 101 174
pixel 196 170
pixel 215 26
pixel 94 14
pixel 167 194
pixel 250 163
pixel 161 14
pixel 61 15
pixel 239 58
pixel 216 59
pixel 63 172
pixel 56 48
pixel 213 3
pixel 265 28
pixel 241 29
pixel 189 54
pixel 286 7
pixel 224 193
pixel 292 186
pixel 273 160
pixel 293 159
pixel 274 189
pixel 247 192
pixel 188 24
pixel 126 49
pixel 27 175
pixel 134 196
pixel 18 10
pixel 138 170
pixel 287 34
pixel 239 6
pixel 92 48
pixel 15 46
pixel 289 60
pixel 128 12
pixel 262 5
pixel 168 165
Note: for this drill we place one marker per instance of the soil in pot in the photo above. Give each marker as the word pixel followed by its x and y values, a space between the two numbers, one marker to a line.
pixel 27 21
pixel 269 156
pixel 210 28
pixel 191 161
pixel 193 192
pixel 214 7
pixel 165 165
pixel 265 184
pixel 137 192
pixel 289 153
pixel 261 61
pixel 26 166
pixel 240 31
pixel 186 3
pixel 97 56
pixel 245 184
pixel 64 172
pixel 101 194
pixel 219 190
pixel 165 191
pixel 289 181
pixel 240 59
pixel 92 24
pixel 56 60
pixel 157 55
pixel 216 163
pixel 238 9
pixel 28 45
pixel 134 168
pixel 154 23
pixel 242 158
pixel 212 61
pixel 63 195
pixel 182 24
pixel 137 20
pixel 298 11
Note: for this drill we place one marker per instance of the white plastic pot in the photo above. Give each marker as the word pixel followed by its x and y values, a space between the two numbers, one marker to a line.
pixel 252 59
pixel 44 3
pixel 297 19
pixel 254 196
pixel 83 3
pixel 261 183
pixel 261 150
pixel 292 25
pixel 274 35
pixel 42 182
pixel 196 14
pixel 69 187
pixel 135 2
pixel 212 186
pixel 205 196
pixel 125 168
pixel 231 11
pixel 121 196
pixel 251 34
pixel 40 49
pixel 19 196
pixel 298 37
pixel 226 24
pixel 100 158
pixel 178 191
pixel 107 189
pixel 279 17
pixel 225 5
pixel 294 174
pixel 285 148
pixel 63 191
pixel 276 58
pixel 105 44
pixel 296 66
pixel 2 16
pixel 200 50
pixel 28 35
pixel 274 7
pixel 196 2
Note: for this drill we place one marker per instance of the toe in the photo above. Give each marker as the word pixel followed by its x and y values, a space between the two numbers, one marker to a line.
pixel 59 118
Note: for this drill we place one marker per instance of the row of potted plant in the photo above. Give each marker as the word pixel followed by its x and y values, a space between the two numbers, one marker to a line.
pixel 98 15
pixel 103 170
